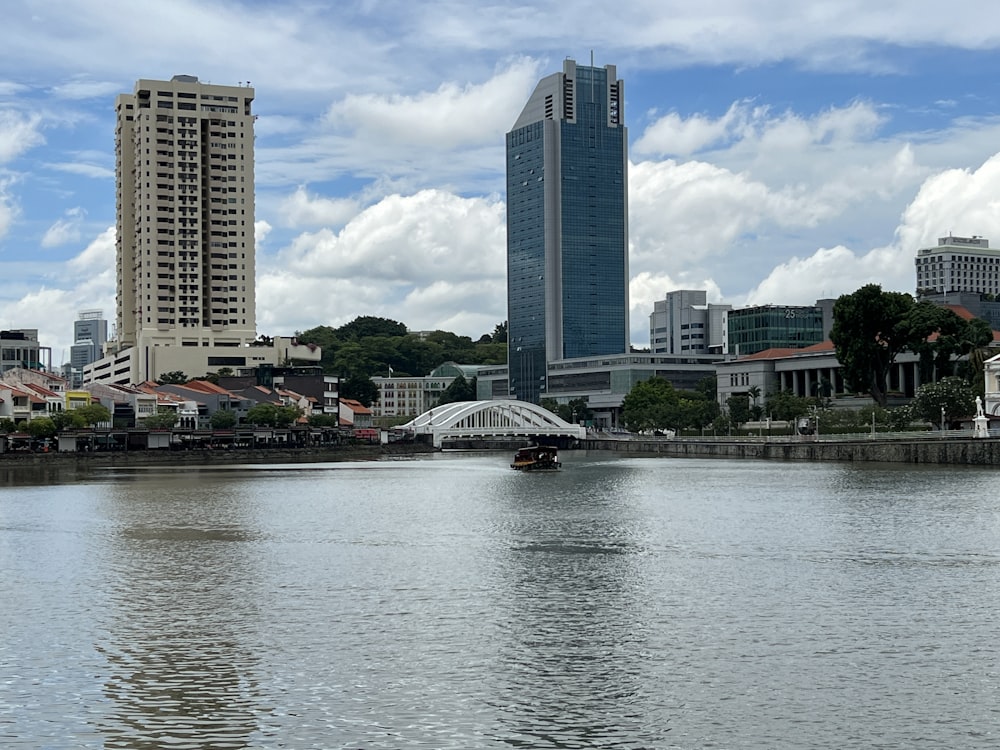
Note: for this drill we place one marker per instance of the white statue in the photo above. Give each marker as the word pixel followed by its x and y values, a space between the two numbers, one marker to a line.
pixel 979 407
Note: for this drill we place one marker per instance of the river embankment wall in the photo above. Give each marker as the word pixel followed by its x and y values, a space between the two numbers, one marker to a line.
pixel 214 457
pixel 946 450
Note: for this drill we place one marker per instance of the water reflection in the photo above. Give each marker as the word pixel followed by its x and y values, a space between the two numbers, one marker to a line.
pixel 452 603
pixel 573 630
pixel 179 618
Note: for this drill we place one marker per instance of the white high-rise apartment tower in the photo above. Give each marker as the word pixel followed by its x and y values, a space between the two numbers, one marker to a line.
pixel 185 204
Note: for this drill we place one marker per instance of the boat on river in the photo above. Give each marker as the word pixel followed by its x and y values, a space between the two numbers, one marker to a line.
pixel 537 458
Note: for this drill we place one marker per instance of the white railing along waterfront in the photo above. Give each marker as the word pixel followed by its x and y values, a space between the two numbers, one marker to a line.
pixel 821 438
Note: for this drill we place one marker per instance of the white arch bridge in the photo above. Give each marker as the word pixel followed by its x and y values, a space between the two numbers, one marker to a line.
pixel 471 420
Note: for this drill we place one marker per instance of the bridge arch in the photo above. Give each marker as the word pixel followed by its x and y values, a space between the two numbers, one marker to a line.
pixel 465 420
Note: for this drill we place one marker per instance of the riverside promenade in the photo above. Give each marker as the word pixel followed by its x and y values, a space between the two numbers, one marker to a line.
pixel 955 447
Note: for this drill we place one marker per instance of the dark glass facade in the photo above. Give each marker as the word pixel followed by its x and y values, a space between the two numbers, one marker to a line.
pixel 754 329
pixel 567 234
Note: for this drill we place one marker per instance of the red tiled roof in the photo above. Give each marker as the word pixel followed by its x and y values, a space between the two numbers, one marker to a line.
pixel 823 347
pixel 205 386
pixel 42 390
pixel 356 406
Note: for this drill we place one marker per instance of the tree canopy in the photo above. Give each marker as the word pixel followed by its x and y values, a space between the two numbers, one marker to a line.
pixel 871 327
pixel 368 347
pixel 163 419
pixel 655 404
pixel 272 415
pixel 952 395
pixel 223 419
pixel 460 389
pixel 94 414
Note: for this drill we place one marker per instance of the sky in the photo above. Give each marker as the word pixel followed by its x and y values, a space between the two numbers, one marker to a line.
pixel 780 152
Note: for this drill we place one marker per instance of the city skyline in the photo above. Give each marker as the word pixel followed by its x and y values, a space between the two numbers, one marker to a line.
pixel 776 157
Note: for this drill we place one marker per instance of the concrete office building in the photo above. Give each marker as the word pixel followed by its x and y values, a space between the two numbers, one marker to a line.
pixel 19 348
pixel 90 333
pixel 958 264
pixel 185 243
pixel 684 322
pixel 567 229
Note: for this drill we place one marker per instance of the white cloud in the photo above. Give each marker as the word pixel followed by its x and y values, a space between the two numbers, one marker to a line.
pixel 65 230
pixel 414 239
pixel 86 170
pixel 683 213
pixel 961 201
pixel 964 202
pixel 98 260
pixel 453 115
pixel 673 135
pixel 87 281
pixel 300 209
pixel 82 88
pixel 10 88
pixel 18 133
pixel 429 260
pixel 8 208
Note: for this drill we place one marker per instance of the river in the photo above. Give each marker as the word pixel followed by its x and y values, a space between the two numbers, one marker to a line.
pixel 446 601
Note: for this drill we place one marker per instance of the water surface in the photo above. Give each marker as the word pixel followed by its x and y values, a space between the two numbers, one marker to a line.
pixel 449 602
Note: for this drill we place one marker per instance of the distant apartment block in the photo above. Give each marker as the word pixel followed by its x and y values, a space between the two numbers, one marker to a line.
pixel 185 250
pixel 958 264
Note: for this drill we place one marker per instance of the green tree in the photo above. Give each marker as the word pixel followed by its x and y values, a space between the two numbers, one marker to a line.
pixel 738 405
pixel 756 410
pixel 272 415
pixel 459 389
pixel 650 405
pixel 174 377
pixel 575 411
pixel 786 406
pixel 500 333
pixel 223 419
pixel 68 420
pixel 708 388
pixel 952 394
pixel 368 325
pixel 354 358
pixel 41 427
pixel 94 414
pixel 360 388
pixel 7 425
pixel 163 419
pixel 870 328
pixel 324 420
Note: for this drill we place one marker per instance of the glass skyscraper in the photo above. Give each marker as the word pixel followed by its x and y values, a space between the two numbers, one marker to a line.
pixel 567 228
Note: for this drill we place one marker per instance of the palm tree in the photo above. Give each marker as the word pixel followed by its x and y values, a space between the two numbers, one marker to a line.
pixel 754 393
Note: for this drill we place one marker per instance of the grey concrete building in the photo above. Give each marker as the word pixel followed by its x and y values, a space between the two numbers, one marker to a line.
pixel 684 322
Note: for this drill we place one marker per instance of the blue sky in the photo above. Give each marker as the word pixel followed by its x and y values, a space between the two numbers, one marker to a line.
pixel 779 151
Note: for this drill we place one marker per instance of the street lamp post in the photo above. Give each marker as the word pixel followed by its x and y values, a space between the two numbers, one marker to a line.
pixel 942 419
